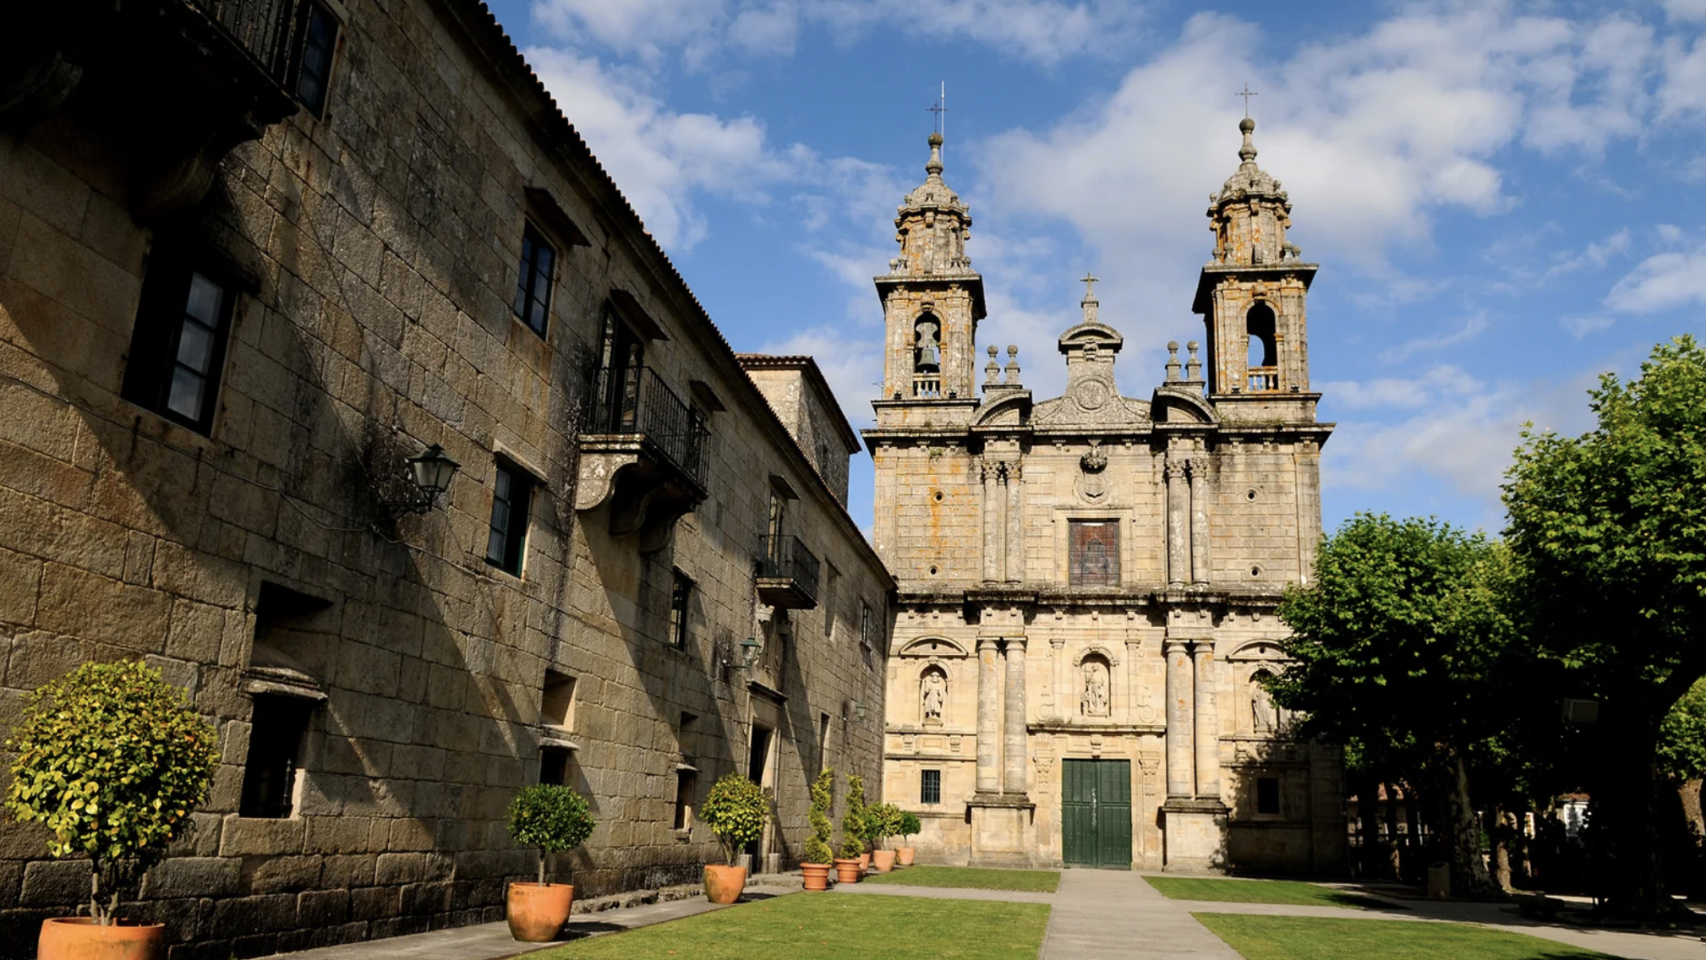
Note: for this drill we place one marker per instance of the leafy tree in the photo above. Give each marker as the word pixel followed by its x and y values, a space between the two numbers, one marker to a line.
pixel 910 825
pixel 1395 651
pixel 112 759
pixel 1681 750
pixel 552 818
pixel 1610 528
pixel 823 794
pixel 737 811
pixel 883 821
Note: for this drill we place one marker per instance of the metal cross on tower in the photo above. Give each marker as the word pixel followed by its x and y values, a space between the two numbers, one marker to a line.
pixel 1246 93
pixel 940 108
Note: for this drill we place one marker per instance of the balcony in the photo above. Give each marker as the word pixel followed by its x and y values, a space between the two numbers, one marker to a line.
pixel 642 451
pixel 1263 380
pixel 171 85
pixel 787 573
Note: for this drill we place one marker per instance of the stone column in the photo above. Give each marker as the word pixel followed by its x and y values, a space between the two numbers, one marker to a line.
pixel 1178 563
pixel 991 521
pixel 1197 470
pixel 1180 716
pixel 1134 677
pixel 1057 655
pixel 1014 779
pixel 1207 723
pixel 988 720
pixel 1015 552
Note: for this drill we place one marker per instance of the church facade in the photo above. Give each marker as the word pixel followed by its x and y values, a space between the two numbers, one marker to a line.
pixel 1088 583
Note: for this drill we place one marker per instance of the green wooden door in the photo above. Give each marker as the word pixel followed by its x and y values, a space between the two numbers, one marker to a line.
pixel 1095 815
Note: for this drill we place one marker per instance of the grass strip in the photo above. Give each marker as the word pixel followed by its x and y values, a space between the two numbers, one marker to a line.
pixel 829 927
pixel 1322 938
pixel 1264 891
pixel 972 878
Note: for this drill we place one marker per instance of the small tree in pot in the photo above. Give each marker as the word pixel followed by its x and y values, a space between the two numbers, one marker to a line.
pixel 550 818
pixel 883 821
pixel 818 855
pixel 909 827
pixel 855 828
pixel 112 759
pixel 736 811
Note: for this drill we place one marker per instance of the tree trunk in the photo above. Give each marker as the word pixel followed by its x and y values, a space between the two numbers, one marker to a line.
pixel 1689 793
pixel 1500 835
pixel 1462 839
pixel 1368 827
pixel 541 867
pixel 1625 799
pixel 1394 859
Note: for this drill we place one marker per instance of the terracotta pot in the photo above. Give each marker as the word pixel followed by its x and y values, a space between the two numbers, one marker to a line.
pixel 817 875
pixel 724 884
pixel 883 860
pixel 537 911
pixel 80 938
pixel 846 871
pixel 864 862
pixel 906 855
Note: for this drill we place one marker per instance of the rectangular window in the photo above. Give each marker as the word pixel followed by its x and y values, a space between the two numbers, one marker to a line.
pixel 1267 795
pixel 680 598
pixel 1094 552
pixel 686 785
pixel 178 346
pixel 823 742
pixel 556 766
pixel 832 581
pixel 557 706
pixel 533 284
pixel 276 735
pixel 318 42
pixel 866 641
pixel 930 786
pixel 512 495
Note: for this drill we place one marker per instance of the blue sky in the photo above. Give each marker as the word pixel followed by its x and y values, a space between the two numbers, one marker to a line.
pixel 1505 198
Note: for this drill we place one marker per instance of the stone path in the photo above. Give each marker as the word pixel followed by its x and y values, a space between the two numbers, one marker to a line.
pixel 944 893
pixel 1114 915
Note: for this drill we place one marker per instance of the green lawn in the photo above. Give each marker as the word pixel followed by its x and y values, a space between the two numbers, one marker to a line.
pixel 1319 938
pixel 824 926
pixel 972 878
pixel 1262 891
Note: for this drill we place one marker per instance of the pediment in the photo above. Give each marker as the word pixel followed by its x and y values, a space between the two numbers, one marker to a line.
pixel 1173 405
pixel 1258 650
pixel 1009 411
pixel 933 647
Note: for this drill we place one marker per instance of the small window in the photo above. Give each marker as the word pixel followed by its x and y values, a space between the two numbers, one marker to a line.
pixel 533 283
pixel 512 495
pixel 832 581
pixel 1268 795
pixel 680 601
pixel 823 742
pixel 866 640
pixel 1094 553
pixel 276 735
pixel 178 346
pixel 930 786
pixel 686 786
pixel 556 765
pixel 557 707
pixel 317 43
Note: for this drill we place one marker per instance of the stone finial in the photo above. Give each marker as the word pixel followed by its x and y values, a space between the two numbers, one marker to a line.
pixel 1247 152
pixel 992 370
pixel 1172 360
pixel 1012 363
pixel 1089 304
pixel 1193 365
pixel 934 166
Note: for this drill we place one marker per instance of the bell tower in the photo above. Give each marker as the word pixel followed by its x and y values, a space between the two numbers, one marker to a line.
pixel 932 299
pixel 1251 295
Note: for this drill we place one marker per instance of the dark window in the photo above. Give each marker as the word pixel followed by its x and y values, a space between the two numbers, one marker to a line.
pixel 831 581
pixel 557 706
pixel 1267 795
pixel 930 786
pixel 616 392
pixel 679 600
pixel 686 785
pixel 1094 552
pixel 866 641
pixel 178 345
pixel 533 285
pixel 1260 329
pixel 512 493
pixel 276 734
pixel 823 742
pixel 556 765
pixel 319 40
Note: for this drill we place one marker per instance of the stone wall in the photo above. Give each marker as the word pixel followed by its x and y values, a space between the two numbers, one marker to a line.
pixel 375 257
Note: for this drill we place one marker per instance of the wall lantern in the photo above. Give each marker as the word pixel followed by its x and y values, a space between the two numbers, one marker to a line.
pixel 749 649
pixel 431 472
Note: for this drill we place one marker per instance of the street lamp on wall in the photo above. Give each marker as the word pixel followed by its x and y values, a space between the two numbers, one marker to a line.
pixel 431 472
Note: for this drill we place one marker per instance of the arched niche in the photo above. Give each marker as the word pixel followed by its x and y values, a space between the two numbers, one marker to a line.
pixel 1094 675
pixel 932 694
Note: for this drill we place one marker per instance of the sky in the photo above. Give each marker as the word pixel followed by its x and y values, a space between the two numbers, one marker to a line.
pixel 1505 198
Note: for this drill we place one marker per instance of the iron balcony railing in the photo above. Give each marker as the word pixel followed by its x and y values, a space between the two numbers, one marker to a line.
pixel 636 401
pixel 261 28
pixel 786 558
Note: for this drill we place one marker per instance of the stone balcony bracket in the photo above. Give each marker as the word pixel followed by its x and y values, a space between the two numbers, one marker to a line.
pixel 645 490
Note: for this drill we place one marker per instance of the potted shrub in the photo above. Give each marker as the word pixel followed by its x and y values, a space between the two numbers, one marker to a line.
pixel 736 811
pixel 909 828
pixel 112 759
pixel 884 823
pixel 552 819
pixel 847 868
pixel 818 855
pixel 855 826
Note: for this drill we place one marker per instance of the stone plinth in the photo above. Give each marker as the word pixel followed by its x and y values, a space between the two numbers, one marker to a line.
pixel 1003 827
pixel 1195 836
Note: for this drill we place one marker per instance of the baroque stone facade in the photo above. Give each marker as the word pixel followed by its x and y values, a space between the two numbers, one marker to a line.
pixel 1088 582
pixel 246 276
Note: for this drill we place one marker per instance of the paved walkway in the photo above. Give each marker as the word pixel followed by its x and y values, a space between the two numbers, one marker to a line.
pixel 1114 915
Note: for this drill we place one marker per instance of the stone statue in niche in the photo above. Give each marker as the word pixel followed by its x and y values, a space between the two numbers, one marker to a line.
pixel 934 691
pixel 1264 716
pixel 1094 700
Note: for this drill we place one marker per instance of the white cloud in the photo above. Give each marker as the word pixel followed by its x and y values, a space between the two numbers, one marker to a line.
pixel 644 27
pixel 1684 89
pixel 1041 31
pixel 1685 9
pixel 1595 255
pixel 1664 281
pixel 1581 327
pixel 1472 327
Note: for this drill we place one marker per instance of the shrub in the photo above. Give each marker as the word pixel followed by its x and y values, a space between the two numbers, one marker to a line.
pixel 823 794
pixel 853 824
pixel 737 811
pixel 910 826
pixel 551 818
pixel 112 759
pixel 884 821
